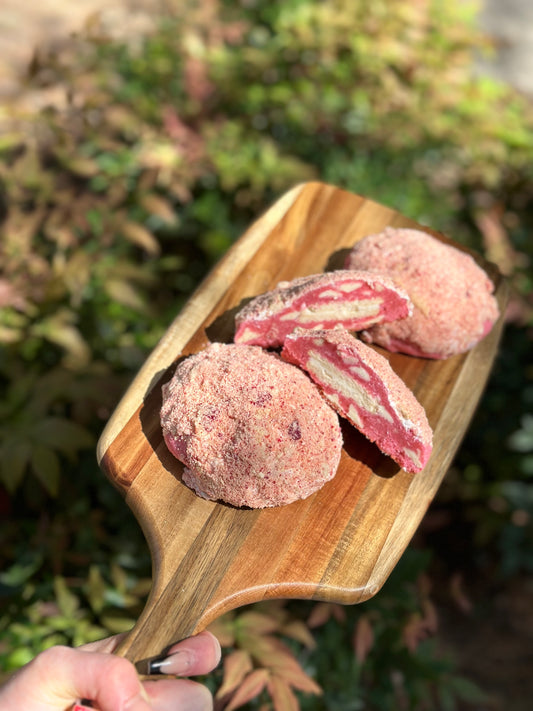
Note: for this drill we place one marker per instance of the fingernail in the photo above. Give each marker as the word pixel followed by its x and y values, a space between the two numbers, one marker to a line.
pixel 81 707
pixel 176 664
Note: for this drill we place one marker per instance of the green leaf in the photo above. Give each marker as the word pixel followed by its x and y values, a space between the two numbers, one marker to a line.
pixel 119 578
pixel 67 602
pixel 45 465
pixel 522 439
pixel 116 624
pixel 123 292
pixel 86 632
pixel 467 690
pixel 61 434
pixel 18 658
pixel 447 700
pixel 14 459
pixel 21 571
pixel 96 589
pixel 59 329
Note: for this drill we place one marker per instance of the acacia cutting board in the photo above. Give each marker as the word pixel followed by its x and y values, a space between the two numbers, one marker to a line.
pixel 341 543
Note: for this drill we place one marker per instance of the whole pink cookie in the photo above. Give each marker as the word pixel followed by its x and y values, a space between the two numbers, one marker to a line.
pixel 355 300
pixel 360 384
pixel 452 296
pixel 251 429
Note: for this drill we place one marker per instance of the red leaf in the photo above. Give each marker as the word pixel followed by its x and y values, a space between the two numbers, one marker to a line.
pixel 323 611
pixel 270 652
pixel 257 623
pixel 424 585
pixel 363 639
pixel 157 205
pixel 251 687
pixel 458 594
pixel 236 667
pixel 224 629
pixel 417 629
pixel 196 77
pixel 299 631
pixel 498 246
pixel 430 617
pixel 297 678
pixel 274 655
pixel 140 236
pixel 282 695
pixel 320 614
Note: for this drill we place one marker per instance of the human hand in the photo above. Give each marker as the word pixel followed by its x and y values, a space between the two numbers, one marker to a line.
pixel 60 676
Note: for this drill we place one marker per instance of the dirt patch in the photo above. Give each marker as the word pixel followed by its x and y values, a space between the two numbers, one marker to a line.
pixel 493 644
pixel 23 26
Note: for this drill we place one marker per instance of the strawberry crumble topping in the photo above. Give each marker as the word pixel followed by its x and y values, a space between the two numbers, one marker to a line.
pixel 454 307
pixel 251 429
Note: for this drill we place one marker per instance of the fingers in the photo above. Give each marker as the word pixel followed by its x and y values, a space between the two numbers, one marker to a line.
pixel 192 656
pixel 178 695
pixel 58 676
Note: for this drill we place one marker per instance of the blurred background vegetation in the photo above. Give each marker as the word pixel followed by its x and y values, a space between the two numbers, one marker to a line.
pixel 139 166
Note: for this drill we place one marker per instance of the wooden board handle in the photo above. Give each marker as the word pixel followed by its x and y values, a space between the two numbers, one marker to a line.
pixel 189 600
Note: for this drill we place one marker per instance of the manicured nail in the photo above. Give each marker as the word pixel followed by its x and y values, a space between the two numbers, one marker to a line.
pixel 176 664
pixel 82 707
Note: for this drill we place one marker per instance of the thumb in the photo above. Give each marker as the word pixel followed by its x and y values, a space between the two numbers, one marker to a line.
pixel 60 675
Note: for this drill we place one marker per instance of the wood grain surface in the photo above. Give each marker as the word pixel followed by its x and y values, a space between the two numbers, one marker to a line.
pixel 341 543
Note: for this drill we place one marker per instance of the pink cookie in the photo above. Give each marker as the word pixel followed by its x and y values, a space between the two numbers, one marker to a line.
pixel 452 296
pixel 251 429
pixel 360 384
pixel 352 299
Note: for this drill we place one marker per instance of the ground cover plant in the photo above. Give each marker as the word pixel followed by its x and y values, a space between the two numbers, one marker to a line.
pixel 146 161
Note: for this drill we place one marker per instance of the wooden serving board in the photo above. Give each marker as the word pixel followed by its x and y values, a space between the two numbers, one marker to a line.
pixel 339 544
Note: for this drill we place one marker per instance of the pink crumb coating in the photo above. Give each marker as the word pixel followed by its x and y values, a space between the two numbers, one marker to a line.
pixel 452 296
pixel 251 429
pixel 353 299
pixel 361 385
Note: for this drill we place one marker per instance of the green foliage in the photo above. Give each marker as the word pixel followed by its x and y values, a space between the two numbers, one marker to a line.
pixel 35 436
pixel 70 612
pixel 148 159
